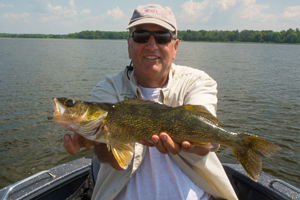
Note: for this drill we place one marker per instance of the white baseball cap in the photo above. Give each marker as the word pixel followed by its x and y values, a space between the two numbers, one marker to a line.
pixel 154 14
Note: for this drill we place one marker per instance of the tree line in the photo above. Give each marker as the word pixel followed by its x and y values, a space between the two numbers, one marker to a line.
pixel 80 35
pixel 284 36
pixel 289 36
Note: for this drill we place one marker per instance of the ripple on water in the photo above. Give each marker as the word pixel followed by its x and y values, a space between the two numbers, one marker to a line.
pixel 258 94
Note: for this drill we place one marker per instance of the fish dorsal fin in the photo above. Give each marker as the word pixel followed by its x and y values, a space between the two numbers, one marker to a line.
pixel 123 153
pixel 144 102
pixel 202 111
pixel 136 102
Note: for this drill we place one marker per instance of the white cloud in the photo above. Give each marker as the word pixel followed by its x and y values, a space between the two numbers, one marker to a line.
pixel 116 13
pixel 61 12
pixel 205 19
pixel 225 4
pixel 203 11
pixel 57 9
pixel 253 12
pixel 48 9
pixel 72 4
pixel 70 14
pixel 15 16
pixel 85 11
pixel 6 5
pixel 231 14
pixel 249 2
pixel 194 10
pixel 207 9
pixel 291 13
pixel 46 19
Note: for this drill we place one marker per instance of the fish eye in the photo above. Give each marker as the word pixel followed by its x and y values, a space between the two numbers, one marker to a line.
pixel 70 102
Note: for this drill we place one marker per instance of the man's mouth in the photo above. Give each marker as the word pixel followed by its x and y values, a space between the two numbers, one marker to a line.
pixel 151 57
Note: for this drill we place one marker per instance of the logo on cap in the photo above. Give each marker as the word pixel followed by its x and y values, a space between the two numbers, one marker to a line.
pixel 151 11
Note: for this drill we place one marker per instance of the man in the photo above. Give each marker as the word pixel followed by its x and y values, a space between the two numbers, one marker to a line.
pixel 164 169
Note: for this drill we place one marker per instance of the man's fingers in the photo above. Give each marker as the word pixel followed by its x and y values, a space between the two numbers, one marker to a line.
pixel 73 144
pixel 158 144
pixel 69 145
pixel 199 150
pixel 164 144
pixel 187 147
pixel 169 144
pixel 202 150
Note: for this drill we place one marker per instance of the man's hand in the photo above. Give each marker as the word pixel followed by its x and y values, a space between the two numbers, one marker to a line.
pixel 165 144
pixel 73 144
pixel 105 156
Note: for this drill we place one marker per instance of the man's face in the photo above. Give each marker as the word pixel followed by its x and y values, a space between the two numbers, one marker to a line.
pixel 151 59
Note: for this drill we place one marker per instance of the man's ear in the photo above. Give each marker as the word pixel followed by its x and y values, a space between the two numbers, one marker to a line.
pixel 128 43
pixel 176 43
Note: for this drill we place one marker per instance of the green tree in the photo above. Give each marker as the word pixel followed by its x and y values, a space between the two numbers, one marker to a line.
pixel 292 38
pixel 258 37
pixel 283 36
pixel 276 37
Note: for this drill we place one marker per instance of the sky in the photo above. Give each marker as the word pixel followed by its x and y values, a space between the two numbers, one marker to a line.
pixel 70 16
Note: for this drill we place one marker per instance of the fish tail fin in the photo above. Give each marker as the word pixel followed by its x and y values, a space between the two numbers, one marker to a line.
pixel 250 151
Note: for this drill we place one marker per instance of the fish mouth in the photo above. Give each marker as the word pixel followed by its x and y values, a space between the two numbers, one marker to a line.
pixel 58 109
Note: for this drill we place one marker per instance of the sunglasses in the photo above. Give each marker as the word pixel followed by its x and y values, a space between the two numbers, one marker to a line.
pixel 143 36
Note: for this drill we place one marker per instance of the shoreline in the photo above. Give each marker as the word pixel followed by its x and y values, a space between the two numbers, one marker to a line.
pixel 234 42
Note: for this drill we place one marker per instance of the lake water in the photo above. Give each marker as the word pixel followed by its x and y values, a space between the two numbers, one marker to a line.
pixel 259 93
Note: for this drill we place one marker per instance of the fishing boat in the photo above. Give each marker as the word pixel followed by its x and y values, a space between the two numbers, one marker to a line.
pixel 74 180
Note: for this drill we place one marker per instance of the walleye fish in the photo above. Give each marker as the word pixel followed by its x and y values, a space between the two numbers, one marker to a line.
pixel 125 122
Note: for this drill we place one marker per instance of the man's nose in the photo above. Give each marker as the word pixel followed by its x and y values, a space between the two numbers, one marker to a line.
pixel 151 44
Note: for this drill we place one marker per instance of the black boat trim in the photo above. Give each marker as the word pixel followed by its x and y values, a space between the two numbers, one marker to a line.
pixel 58 182
pixel 283 183
pixel 11 187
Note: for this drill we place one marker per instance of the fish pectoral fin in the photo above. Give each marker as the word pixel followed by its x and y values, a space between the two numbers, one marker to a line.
pixel 123 153
pixel 201 143
pixel 90 128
